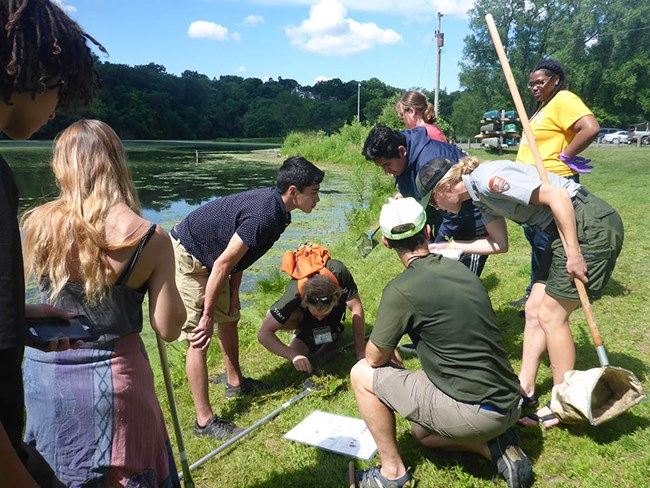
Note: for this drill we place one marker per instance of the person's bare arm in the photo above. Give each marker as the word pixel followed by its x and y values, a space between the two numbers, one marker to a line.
pixel 166 310
pixel 216 281
pixel 358 326
pixel 377 356
pixel 12 470
pixel 496 241
pixel 268 338
pixel 586 129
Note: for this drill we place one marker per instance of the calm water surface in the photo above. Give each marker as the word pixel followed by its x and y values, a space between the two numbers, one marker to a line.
pixel 171 184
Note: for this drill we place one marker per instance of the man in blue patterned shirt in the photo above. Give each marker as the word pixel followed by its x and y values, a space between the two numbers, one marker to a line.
pixel 213 246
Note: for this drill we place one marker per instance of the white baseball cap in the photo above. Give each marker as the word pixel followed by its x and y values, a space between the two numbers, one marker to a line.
pixel 402 218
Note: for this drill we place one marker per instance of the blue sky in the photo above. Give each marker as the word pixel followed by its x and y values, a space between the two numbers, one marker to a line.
pixel 305 40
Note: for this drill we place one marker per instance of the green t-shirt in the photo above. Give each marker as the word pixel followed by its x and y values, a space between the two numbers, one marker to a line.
pixel 447 313
pixel 291 300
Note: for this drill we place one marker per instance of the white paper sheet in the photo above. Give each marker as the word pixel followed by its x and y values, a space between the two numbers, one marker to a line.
pixel 335 433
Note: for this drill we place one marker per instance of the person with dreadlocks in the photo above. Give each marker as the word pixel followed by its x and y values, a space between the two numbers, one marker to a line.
pixel 563 127
pixel 313 307
pixel 45 64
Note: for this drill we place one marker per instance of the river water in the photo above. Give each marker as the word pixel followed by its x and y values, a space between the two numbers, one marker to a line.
pixel 171 183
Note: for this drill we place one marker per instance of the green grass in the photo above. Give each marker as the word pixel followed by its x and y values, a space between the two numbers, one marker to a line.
pixel 615 454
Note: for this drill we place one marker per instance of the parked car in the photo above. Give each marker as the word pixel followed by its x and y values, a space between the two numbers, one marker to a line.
pixel 644 135
pixel 604 131
pixel 618 137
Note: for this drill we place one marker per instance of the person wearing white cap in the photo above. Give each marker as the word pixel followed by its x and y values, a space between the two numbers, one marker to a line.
pixel 466 396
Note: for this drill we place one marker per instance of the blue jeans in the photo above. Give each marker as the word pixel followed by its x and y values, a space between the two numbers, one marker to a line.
pixel 538 240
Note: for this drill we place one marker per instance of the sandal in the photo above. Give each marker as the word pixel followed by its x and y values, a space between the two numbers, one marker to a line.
pixel 528 402
pixel 541 419
pixel 372 478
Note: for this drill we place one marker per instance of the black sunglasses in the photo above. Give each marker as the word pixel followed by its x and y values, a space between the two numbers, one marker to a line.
pixel 324 300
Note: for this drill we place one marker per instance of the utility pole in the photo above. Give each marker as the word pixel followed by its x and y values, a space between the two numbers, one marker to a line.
pixel 359 101
pixel 440 41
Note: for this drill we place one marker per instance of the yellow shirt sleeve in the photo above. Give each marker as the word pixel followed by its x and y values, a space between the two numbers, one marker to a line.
pixel 551 127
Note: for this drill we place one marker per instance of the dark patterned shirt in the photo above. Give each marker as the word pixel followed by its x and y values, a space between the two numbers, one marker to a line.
pixel 257 216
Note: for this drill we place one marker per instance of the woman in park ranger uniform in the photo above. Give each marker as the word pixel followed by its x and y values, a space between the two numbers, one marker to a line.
pixel 593 232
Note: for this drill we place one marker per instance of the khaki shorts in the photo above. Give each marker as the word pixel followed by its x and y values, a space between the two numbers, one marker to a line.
pixel 411 394
pixel 191 280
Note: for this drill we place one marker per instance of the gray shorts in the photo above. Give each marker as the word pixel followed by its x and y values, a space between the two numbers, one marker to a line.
pixel 411 394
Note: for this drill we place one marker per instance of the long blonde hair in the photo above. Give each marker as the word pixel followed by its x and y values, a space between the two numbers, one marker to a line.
pixel 89 165
pixel 418 102
pixel 454 175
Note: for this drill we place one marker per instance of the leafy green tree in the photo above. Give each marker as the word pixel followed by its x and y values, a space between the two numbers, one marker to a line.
pixel 602 44
pixel 466 114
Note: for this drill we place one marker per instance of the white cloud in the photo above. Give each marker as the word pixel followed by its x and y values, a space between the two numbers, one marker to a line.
pixel 241 69
pixel 321 78
pixel 202 29
pixel 327 31
pixel 253 20
pixel 66 8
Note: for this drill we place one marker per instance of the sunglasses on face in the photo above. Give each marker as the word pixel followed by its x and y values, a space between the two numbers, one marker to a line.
pixel 324 300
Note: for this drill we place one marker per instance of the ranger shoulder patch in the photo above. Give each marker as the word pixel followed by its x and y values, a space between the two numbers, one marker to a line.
pixel 498 185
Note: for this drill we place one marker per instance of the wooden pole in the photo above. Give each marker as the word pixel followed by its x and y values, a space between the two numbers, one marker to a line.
pixel 351 473
pixel 539 163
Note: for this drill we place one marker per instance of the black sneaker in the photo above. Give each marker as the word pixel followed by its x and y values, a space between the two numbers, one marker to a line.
pixel 510 461
pixel 519 303
pixel 248 385
pixel 217 429
pixel 222 379
pixel 408 349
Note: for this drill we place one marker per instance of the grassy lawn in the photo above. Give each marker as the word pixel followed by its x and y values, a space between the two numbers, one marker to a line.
pixel 615 454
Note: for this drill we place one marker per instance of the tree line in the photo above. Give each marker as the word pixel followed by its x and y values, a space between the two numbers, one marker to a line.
pixel 146 102
pixel 603 45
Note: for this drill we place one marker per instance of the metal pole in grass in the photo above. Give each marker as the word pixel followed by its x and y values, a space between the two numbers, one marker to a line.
pixel 188 482
pixel 308 385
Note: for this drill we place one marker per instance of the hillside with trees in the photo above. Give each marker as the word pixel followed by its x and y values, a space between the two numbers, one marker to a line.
pixel 146 102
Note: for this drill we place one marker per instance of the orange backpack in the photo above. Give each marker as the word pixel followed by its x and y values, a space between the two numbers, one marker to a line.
pixel 306 260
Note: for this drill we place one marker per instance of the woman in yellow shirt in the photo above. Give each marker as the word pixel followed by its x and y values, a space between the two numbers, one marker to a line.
pixel 563 127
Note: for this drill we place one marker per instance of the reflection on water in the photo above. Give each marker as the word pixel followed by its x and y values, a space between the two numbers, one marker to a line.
pixel 171 184
pixel 164 173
